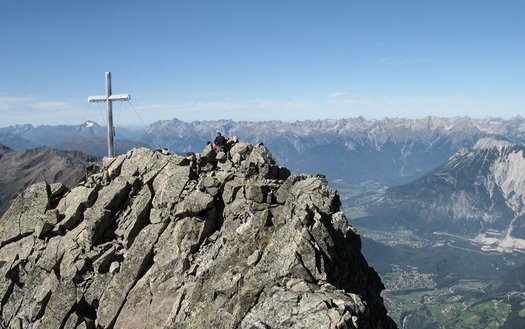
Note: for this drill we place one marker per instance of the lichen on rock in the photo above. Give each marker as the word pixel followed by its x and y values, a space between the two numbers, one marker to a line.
pixel 159 240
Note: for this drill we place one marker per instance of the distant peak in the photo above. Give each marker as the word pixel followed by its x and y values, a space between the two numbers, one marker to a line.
pixel 491 143
pixel 90 124
pixel 433 122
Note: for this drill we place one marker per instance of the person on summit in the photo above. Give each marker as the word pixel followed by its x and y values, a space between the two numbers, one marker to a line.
pixel 220 142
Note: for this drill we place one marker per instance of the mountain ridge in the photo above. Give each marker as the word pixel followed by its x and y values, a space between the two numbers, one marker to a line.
pixel 479 191
pixel 21 169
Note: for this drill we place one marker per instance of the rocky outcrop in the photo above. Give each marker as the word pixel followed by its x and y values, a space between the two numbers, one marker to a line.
pixel 158 240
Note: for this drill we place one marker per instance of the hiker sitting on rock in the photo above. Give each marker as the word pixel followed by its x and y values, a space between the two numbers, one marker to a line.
pixel 220 142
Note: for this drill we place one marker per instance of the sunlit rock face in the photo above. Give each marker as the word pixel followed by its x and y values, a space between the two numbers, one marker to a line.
pixel 209 240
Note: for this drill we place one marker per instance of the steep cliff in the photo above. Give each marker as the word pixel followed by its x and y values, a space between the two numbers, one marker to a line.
pixel 157 240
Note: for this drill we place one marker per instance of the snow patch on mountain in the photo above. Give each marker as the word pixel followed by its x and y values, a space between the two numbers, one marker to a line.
pixel 89 124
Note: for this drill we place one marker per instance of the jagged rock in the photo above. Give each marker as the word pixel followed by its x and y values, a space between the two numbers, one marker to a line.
pixel 74 203
pixel 26 212
pixel 208 154
pixel 72 321
pixel 57 190
pixel 156 240
pixel 257 193
pixel 299 308
pixel 137 219
pixel 194 204
pixel 61 302
pixel 169 184
pixel 41 297
pixel 133 266
pixel 221 157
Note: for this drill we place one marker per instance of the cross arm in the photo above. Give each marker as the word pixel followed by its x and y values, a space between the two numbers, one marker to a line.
pixel 118 97
pixel 93 99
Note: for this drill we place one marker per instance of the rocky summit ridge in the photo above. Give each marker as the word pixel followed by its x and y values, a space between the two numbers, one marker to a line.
pixel 211 240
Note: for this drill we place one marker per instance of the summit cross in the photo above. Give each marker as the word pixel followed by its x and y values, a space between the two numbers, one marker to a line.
pixel 109 98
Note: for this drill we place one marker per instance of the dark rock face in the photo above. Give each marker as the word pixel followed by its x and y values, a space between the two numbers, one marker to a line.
pixel 158 240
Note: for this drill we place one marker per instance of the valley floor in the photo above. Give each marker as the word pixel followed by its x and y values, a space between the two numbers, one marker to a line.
pixel 444 281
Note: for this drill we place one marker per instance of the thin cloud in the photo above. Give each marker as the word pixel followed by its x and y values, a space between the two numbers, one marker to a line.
pixel 336 94
pixel 15 102
pixel 51 105
pixel 9 102
pixel 403 62
pixel 212 94
pixel 395 62
pixel 250 110
pixel 30 109
pixel 221 105
pixel 328 108
pixel 383 60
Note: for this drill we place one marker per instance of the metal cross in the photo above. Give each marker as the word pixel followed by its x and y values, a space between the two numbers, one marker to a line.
pixel 109 98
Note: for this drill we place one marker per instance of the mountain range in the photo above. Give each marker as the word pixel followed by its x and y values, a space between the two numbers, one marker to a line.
pixel 88 137
pixel 391 151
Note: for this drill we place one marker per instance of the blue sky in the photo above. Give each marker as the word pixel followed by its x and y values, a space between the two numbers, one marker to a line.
pixel 261 60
